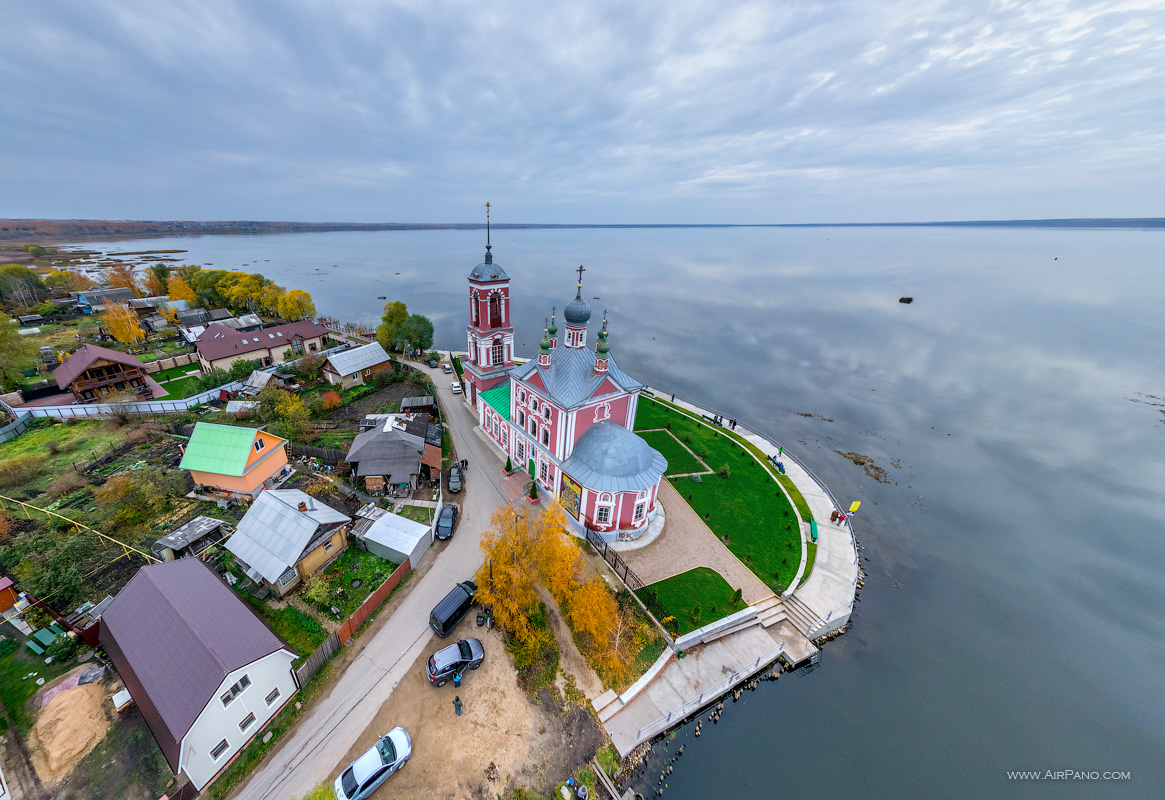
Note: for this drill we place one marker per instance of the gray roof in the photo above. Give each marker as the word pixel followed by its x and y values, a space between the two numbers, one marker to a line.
pixel 99 297
pixel 174 633
pixel 387 451
pixel 149 302
pixel 195 316
pixel 256 381
pixel 355 359
pixel 610 458
pixel 571 379
pixel 416 402
pixel 577 311
pixel 192 531
pixel 487 271
pixel 238 323
pixel 274 533
pixel 219 314
pixel 396 532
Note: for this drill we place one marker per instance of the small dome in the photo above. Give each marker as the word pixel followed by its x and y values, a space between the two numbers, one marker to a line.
pixel 577 311
pixel 602 349
pixel 552 329
pixel 488 270
pixel 612 450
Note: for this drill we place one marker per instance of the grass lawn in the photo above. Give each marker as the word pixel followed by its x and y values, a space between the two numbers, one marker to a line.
pixel 338 439
pixel 701 587
pixel 302 632
pixel 28 464
pixel 175 372
pixel 810 557
pixel 748 510
pixel 679 460
pixel 354 564
pixel 418 514
pixel 14 691
pixel 183 387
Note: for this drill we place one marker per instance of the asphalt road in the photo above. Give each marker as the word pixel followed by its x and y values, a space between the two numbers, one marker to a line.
pixel 317 744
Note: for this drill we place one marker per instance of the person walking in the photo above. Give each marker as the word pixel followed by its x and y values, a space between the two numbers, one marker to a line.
pixel 457 705
pixel 456 680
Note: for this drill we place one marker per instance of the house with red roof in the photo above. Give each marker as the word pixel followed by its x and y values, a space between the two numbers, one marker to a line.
pixel 205 671
pixel 219 346
pixel 94 373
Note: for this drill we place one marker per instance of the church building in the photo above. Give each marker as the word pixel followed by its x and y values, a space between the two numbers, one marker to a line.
pixel 567 417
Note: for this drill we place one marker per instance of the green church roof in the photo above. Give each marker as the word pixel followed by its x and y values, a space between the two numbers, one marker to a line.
pixel 498 398
pixel 221 449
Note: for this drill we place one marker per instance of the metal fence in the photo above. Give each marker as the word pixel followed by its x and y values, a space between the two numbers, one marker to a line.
pixel 144 407
pixel 316 660
pixel 616 563
pixel 14 429
pixel 678 715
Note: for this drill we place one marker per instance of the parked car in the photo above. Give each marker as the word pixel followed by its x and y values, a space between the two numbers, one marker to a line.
pixel 456 658
pixel 456 387
pixel 430 362
pixel 365 774
pixel 455 479
pixel 446 368
pixel 447 521
pixel 455 605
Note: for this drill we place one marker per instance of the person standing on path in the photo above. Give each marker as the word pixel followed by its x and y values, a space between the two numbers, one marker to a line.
pixel 457 705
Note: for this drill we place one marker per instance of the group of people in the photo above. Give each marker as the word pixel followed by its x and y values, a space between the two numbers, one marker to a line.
pixel 837 517
pixel 719 420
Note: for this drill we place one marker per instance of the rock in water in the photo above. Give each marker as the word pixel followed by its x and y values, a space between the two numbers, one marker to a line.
pixel 906 300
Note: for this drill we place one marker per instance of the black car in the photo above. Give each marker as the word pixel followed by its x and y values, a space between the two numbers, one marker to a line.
pixel 456 658
pixel 455 479
pixel 446 614
pixel 446 521
pixel 431 362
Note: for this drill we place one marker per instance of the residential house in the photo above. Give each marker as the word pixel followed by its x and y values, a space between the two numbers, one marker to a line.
pixel 29 320
pixel 390 453
pixel 206 673
pixel 8 596
pixel 220 346
pixel 247 322
pixel 93 373
pixel 286 536
pixel 192 539
pixel 147 306
pixel 356 365
pixel 413 405
pixel 234 460
pixel 94 301
pixel 390 536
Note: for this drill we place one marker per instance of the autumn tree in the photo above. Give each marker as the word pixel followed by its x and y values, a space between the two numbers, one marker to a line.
pixel 297 304
pixel 68 280
pixel 179 289
pixel 417 332
pixel 17 353
pixel 21 284
pixel 121 276
pixel 288 414
pixel 159 274
pixel 593 613
pixel 122 324
pixel 394 317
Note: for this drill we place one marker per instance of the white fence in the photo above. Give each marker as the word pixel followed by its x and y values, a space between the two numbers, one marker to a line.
pixel 97 410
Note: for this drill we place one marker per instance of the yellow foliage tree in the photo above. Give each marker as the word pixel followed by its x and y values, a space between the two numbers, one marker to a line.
pixel 154 285
pixel 121 276
pixel 296 304
pixel 68 280
pixel 123 324
pixel 523 549
pixel 180 290
pixel 170 313
pixel 269 298
pixel 593 612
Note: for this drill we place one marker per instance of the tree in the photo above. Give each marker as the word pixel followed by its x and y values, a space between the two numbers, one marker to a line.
pixel 21 284
pixel 269 298
pixel 161 274
pixel 17 354
pixel 179 289
pixel 417 331
pixel 121 276
pixel 68 280
pixel 155 286
pixel 35 250
pixel 593 612
pixel 288 414
pixel 330 400
pixel 395 315
pixel 297 304
pixel 123 324
pixel 308 368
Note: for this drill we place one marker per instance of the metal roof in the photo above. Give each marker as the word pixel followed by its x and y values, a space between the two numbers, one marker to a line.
pixel 355 359
pixel 273 533
pixel 192 531
pixel 610 458
pixel 487 271
pixel 174 633
pixel 387 451
pixel 498 398
pixel 86 354
pixel 222 449
pixel 220 341
pixel 99 297
pixel 424 401
pixel 571 379
pixel 396 532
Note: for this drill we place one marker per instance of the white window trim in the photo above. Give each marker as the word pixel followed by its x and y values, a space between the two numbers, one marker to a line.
pixel 599 513
pixel 244 724
pixel 222 752
pixel 259 445
pixel 271 698
pixel 287 577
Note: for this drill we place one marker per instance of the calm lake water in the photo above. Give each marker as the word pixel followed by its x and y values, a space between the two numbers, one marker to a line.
pixel 1012 616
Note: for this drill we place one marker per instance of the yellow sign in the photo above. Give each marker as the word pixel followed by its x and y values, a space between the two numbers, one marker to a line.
pixel 570 495
pixel 854 506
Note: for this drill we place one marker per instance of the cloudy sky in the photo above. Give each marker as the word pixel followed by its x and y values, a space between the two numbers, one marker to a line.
pixel 366 110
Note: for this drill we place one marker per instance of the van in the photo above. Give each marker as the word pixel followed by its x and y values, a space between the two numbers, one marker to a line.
pixel 448 612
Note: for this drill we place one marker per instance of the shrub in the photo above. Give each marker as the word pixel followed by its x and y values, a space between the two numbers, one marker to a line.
pixel 695 614
pixel 53 447
pixel 725 471
pixel 330 400
pixel 687 438
pixel 67 483
pixel 703 452
pixel 20 470
pixel 737 597
pixel 509 465
pixel 317 592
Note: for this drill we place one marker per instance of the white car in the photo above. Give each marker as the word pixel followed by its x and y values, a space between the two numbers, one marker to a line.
pixel 446 368
pixel 456 387
pixel 373 768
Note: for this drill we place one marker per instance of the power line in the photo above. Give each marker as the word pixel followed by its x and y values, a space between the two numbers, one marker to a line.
pixel 126 548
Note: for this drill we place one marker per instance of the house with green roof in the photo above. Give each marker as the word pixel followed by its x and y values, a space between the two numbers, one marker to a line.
pixel 235 461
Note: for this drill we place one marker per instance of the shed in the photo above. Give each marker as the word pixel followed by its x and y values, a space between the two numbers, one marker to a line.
pixel 192 538
pixel 424 403
pixel 395 538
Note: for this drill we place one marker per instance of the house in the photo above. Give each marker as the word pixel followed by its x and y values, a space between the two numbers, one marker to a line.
pixel 93 373
pixel 387 456
pixel 220 346
pixel 235 460
pixel 413 405
pixel 8 596
pixel 205 671
pixel 192 538
pixel 390 536
pixel 356 365
pixel 286 536
pixel 94 301
pixel 147 306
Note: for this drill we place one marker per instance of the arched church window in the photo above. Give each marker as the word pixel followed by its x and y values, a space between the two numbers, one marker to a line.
pixel 473 311
pixel 605 497
pixel 546 437
pixel 495 310
pixel 546 412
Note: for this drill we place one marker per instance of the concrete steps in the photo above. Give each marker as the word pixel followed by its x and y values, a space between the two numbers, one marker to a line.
pixel 607 705
pixel 770 612
pixel 799 614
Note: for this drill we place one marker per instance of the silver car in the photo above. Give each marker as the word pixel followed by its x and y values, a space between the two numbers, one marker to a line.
pixel 366 773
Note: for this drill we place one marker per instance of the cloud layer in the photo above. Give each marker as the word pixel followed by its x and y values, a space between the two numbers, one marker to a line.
pixel 356 110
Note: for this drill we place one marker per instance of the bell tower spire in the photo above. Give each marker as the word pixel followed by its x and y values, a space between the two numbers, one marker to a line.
pixel 490 333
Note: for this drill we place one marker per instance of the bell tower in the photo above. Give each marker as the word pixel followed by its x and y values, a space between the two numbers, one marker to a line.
pixel 490 333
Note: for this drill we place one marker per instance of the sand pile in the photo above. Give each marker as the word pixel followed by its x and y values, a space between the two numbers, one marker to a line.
pixel 70 725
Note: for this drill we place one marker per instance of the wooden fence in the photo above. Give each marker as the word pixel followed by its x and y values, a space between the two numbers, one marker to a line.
pixel 316 660
pixel 169 362
pixel 322 453
pixel 373 602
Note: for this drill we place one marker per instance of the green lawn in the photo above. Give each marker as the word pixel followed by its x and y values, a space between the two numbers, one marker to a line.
pixel 681 594
pixel 748 510
pixel 175 372
pixel 183 387
pixel 353 564
pixel 679 460
pixel 810 557
pixel 418 514
pixel 28 464
pixel 15 690
pixel 304 633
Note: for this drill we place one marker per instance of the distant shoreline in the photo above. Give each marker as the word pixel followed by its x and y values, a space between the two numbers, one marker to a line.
pixel 55 231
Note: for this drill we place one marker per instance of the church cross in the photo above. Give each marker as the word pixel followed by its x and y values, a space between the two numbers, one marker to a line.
pixel 487 224
pixel 581 270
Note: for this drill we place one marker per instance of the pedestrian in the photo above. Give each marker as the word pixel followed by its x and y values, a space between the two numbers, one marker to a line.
pixel 780 452
pixel 456 680
pixel 457 705
pixel 673 397
pixel 833 515
pixel 841 518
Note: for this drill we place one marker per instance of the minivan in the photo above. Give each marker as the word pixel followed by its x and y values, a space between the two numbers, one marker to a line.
pixel 446 614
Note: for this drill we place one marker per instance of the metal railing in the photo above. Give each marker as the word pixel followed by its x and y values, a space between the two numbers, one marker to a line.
pixel 677 715
pixel 614 561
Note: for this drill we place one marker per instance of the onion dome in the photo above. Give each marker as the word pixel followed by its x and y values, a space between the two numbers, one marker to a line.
pixel 552 329
pixel 577 311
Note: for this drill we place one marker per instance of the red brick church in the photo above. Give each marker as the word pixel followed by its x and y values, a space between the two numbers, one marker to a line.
pixel 566 417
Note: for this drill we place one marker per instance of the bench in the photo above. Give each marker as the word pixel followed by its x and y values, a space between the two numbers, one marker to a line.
pixel 34 647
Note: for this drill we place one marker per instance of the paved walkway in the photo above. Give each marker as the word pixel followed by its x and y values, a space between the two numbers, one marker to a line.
pixel 687 543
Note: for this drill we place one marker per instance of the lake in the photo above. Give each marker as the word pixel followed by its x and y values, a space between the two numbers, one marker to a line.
pixel 1012 614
